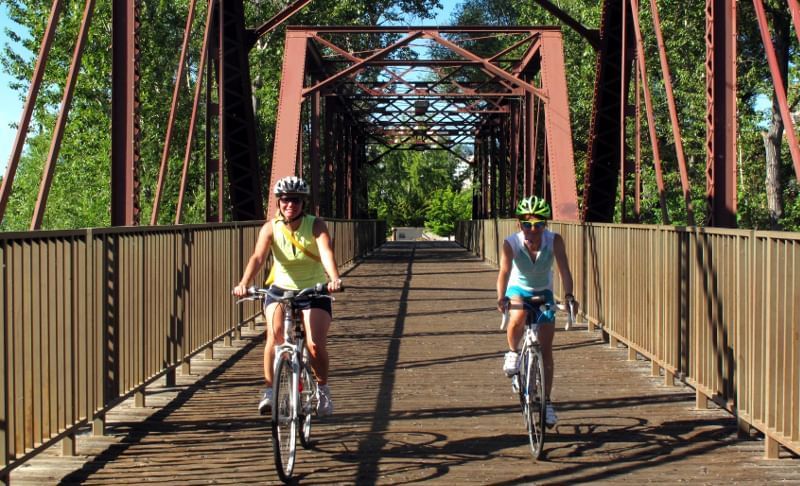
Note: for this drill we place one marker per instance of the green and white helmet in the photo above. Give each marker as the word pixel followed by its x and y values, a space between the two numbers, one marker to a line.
pixel 534 205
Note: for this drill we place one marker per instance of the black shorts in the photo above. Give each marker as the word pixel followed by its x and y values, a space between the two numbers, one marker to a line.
pixel 318 303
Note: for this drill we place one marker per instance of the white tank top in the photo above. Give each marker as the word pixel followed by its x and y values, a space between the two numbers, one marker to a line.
pixel 527 274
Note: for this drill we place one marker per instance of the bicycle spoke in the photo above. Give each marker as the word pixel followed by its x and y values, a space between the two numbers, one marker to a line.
pixel 284 426
pixel 307 394
pixel 534 406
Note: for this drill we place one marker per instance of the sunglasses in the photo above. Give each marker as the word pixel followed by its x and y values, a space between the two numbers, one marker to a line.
pixel 290 199
pixel 528 224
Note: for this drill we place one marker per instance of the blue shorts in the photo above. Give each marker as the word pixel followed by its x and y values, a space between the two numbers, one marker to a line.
pixel 545 317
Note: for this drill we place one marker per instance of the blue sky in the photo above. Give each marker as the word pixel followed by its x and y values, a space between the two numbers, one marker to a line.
pixel 11 104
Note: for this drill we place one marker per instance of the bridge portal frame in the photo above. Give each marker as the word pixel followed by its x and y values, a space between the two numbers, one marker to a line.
pixel 501 108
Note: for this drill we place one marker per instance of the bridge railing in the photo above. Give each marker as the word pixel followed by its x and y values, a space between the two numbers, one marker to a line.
pixel 91 317
pixel 718 308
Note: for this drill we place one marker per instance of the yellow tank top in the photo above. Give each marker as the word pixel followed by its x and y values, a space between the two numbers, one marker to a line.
pixel 295 270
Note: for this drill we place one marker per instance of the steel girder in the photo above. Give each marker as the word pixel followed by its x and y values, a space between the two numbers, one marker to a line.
pixel 605 143
pixel 238 130
pixel 383 93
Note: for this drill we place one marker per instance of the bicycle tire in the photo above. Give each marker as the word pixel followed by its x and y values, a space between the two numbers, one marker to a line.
pixel 532 394
pixel 284 424
pixel 307 393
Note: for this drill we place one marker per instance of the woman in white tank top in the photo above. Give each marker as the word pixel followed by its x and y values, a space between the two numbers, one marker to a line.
pixel 526 270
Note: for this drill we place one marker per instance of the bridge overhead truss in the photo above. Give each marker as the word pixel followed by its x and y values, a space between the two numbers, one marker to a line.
pixel 496 98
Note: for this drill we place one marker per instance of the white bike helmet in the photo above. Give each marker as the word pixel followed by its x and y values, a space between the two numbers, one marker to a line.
pixel 291 185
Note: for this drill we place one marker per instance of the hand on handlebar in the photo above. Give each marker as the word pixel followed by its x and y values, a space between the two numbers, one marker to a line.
pixel 240 291
pixel 502 304
pixel 335 285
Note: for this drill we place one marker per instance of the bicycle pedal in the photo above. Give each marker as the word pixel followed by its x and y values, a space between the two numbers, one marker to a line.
pixel 515 383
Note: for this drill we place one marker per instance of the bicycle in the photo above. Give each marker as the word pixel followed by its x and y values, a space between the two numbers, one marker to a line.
pixel 530 381
pixel 295 392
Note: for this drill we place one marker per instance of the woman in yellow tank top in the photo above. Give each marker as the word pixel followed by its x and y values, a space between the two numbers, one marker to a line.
pixel 302 257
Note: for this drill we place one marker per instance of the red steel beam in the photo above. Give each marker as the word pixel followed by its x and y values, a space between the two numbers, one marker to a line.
pixel 591 35
pixel 623 108
pixel 780 87
pixel 673 111
pixel 721 111
pixel 280 18
pixel 187 31
pixel 489 67
pixel 287 125
pixel 794 9
pixel 30 104
pixel 558 130
pixel 651 126
pixel 187 155
pixel 360 65
pixel 61 121
pixel 314 151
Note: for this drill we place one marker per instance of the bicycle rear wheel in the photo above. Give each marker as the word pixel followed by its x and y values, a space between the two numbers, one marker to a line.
pixel 533 400
pixel 284 426
pixel 308 388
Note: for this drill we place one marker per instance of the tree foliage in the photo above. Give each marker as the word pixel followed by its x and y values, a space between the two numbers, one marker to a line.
pixel 445 208
pixel 402 185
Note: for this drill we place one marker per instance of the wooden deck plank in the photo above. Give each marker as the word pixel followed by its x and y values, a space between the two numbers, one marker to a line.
pixel 420 396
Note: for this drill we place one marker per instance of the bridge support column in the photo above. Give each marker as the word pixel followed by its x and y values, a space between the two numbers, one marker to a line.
pixel 631 353
pixel 139 400
pixel 742 427
pixel 186 367
pixel 700 400
pixel 208 353
pixel 655 369
pixel 68 446
pixel 771 448
pixel 612 341
pixel 99 425
pixel 669 377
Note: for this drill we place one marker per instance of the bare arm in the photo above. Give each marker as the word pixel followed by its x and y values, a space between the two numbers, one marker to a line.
pixel 560 251
pixel 257 259
pixel 506 256
pixel 326 254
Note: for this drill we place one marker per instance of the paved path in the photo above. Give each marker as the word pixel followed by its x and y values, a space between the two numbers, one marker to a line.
pixel 420 397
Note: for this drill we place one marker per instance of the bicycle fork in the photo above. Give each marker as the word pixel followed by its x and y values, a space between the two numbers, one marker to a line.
pixel 282 350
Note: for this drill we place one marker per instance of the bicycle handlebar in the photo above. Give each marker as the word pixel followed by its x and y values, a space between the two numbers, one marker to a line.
pixel 282 295
pixel 536 303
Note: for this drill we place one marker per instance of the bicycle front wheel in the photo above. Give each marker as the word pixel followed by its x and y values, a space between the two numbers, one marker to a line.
pixel 308 388
pixel 284 425
pixel 533 402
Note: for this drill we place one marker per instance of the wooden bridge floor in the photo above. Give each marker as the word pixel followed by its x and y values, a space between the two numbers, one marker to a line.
pixel 420 397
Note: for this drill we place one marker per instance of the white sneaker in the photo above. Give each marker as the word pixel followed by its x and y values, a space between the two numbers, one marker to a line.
pixel 511 363
pixel 325 404
pixel 550 418
pixel 265 404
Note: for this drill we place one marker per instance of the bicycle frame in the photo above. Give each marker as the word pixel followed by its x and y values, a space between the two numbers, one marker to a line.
pixel 530 383
pixel 293 345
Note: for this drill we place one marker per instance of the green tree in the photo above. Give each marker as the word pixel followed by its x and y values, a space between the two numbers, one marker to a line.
pixel 445 208
pixel 402 182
